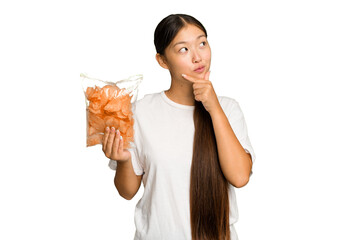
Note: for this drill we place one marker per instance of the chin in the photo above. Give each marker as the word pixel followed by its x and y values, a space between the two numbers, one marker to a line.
pixel 201 75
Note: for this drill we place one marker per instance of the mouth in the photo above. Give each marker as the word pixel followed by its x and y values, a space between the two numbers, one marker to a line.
pixel 200 69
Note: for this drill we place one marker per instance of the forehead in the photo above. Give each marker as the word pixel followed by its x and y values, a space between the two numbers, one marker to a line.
pixel 188 33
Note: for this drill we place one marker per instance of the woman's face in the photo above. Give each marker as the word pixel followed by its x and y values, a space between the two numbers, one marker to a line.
pixel 189 53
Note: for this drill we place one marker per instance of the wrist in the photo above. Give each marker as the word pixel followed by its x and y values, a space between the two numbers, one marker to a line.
pixel 123 160
pixel 217 111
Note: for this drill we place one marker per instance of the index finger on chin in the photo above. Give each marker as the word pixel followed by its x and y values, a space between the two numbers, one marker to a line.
pixel 189 78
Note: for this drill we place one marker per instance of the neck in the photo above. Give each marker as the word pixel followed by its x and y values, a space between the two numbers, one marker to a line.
pixel 181 91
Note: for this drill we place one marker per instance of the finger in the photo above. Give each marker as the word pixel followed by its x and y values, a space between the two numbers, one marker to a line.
pixel 202 81
pixel 110 141
pixel 105 138
pixel 200 85
pixel 121 145
pixel 116 142
pixel 198 92
pixel 189 78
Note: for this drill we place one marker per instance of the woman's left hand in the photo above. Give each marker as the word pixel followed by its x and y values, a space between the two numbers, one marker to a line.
pixel 204 92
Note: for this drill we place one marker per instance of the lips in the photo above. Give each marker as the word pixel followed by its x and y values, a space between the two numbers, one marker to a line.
pixel 200 69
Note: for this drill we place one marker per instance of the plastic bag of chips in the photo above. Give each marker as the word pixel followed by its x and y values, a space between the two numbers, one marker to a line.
pixel 108 104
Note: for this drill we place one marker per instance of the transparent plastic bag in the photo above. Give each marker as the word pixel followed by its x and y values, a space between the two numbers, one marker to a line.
pixel 109 104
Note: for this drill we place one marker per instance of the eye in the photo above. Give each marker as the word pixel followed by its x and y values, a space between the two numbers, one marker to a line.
pixel 202 44
pixel 182 50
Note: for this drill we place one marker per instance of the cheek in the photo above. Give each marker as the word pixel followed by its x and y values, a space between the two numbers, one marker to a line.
pixel 179 65
pixel 207 55
pixel 182 63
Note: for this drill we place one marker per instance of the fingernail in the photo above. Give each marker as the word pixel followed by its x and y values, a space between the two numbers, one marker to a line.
pixel 107 129
pixel 120 137
pixel 184 75
pixel 112 129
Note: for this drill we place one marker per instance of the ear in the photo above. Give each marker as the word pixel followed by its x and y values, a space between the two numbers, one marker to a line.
pixel 161 60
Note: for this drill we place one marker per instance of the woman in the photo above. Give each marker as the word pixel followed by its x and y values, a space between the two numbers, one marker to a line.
pixel 191 147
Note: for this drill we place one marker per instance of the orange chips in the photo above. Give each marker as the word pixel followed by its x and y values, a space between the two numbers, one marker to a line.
pixel 108 106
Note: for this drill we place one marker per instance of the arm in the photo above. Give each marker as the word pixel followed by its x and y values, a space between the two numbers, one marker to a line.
pixel 126 181
pixel 235 163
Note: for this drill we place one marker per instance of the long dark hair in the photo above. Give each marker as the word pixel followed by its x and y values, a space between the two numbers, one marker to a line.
pixel 209 200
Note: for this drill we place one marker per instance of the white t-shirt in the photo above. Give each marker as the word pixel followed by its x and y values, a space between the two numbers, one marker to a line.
pixel 162 151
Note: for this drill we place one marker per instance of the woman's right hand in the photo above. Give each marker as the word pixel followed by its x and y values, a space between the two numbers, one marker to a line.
pixel 112 146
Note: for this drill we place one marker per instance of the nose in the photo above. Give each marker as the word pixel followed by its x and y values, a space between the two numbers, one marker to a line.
pixel 196 57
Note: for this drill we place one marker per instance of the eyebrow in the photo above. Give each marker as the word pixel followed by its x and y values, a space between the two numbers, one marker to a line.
pixel 182 42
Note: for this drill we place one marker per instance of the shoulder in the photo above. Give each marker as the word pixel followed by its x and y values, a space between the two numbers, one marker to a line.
pixel 230 106
pixel 227 102
pixel 146 101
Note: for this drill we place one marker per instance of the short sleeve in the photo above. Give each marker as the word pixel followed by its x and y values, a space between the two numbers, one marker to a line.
pixel 137 166
pixel 238 124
